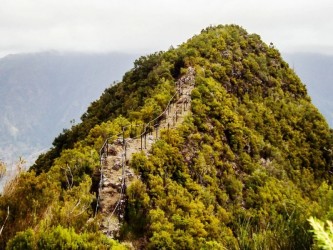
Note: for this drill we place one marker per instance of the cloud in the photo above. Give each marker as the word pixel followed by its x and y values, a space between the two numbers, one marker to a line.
pixel 150 25
pixel 12 130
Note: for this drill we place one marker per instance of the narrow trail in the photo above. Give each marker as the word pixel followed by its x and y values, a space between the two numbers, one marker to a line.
pixel 115 155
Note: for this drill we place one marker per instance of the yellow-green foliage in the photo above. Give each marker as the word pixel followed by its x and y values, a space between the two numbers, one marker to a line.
pixel 61 238
pixel 244 171
pixel 323 234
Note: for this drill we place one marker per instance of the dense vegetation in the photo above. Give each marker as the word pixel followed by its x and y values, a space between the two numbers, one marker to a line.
pixel 244 171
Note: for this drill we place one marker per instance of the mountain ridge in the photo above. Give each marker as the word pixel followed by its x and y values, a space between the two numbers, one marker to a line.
pixel 245 170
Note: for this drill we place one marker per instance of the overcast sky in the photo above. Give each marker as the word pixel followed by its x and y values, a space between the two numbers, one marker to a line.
pixel 146 26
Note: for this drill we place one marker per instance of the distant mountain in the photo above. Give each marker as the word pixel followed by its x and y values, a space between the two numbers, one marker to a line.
pixel 41 93
pixel 316 71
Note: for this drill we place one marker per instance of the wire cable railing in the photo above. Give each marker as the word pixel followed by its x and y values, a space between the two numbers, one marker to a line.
pixel 134 133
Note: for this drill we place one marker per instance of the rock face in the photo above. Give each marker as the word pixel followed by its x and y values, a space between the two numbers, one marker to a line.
pixel 116 174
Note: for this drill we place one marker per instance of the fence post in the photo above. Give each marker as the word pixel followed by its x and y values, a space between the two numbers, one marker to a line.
pixel 123 165
pixel 125 153
pixel 145 139
pixel 141 141
pixel 124 145
pixel 107 147
pixel 123 136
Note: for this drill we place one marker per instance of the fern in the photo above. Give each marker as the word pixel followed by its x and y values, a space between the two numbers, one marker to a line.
pixel 323 235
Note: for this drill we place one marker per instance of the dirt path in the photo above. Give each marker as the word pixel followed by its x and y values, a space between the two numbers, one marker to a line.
pixel 116 174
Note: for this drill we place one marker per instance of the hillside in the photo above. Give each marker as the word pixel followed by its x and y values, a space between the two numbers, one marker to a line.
pixel 41 93
pixel 244 168
pixel 316 71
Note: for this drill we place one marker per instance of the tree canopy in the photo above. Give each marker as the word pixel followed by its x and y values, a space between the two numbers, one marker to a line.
pixel 245 170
